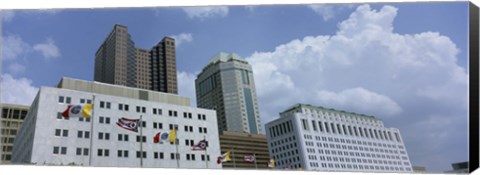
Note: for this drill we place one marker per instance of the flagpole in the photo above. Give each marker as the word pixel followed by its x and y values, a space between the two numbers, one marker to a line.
pixel 255 160
pixel 176 149
pixel 91 131
pixel 141 142
pixel 206 160
pixel 233 157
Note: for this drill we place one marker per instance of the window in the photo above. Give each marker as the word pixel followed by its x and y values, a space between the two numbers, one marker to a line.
pixel 120 107
pixel 123 137
pixel 56 149
pixel 82 101
pixel 85 151
pixel 79 151
pixel 173 126
pixel 144 139
pixel 103 136
pixel 122 153
pixel 58 132
pixel 102 104
pixel 142 154
pixel 63 150
pixel 80 134
pixel 86 134
pixel 68 100
pixel 61 99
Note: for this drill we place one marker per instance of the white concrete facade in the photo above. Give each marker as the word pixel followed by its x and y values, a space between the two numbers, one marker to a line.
pixel 320 139
pixel 47 138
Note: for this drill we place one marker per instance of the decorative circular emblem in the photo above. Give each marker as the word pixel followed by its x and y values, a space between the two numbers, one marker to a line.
pixel 203 145
pixel 164 136
pixel 75 109
pixel 132 125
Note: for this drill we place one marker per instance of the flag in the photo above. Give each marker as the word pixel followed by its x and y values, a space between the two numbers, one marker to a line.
pixel 163 137
pixel 78 111
pixel 200 146
pixel 87 110
pixel 249 158
pixel 271 164
pixel 128 124
pixel 172 136
pixel 225 157
pixel 156 138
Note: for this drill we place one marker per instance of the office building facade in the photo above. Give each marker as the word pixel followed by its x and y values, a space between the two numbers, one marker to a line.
pixel 12 119
pixel 226 85
pixel 163 66
pixel 48 138
pixel 244 144
pixel 118 61
pixel 322 139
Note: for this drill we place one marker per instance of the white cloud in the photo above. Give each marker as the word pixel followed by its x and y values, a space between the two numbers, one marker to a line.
pixel 13 47
pixel 17 91
pixel 325 10
pixel 205 12
pixel 15 68
pixel 328 11
pixel 8 15
pixel 48 49
pixel 182 38
pixel 186 85
pixel 367 68
pixel 359 99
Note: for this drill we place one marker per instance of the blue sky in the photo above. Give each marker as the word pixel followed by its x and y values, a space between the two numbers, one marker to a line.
pixel 406 70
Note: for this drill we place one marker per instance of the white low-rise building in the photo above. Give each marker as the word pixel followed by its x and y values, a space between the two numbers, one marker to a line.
pixel 48 138
pixel 321 139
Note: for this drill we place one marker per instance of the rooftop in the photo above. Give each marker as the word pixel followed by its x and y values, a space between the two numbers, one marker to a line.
pixel 224 57
pixel 122 91
pixel 308 106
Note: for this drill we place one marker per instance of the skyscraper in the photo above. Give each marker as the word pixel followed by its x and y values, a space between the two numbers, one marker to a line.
pixel 226 85
pixel 115 59
pixel 11 120
pixel 118 61
pixel 164 71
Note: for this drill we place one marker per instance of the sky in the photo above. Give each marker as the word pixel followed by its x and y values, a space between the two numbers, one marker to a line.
pixel 404 63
